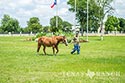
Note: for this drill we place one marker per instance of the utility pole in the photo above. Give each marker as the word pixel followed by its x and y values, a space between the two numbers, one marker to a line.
pixel 75 16
pixel 87 19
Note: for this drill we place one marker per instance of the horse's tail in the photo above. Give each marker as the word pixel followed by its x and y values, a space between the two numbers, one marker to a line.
pixel 39 40
pixel 36 40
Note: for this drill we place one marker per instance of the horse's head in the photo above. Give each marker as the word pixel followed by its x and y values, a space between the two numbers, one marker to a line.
pixel 63 39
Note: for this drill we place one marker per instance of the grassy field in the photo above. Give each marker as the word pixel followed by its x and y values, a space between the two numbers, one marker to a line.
pixel 98 62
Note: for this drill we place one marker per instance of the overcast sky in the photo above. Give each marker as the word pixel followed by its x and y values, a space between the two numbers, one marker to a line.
pixel 22 10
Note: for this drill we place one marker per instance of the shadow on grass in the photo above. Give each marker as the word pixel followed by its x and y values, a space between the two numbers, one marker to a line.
pixel 97 39
pixel 51 55
pixel 75 54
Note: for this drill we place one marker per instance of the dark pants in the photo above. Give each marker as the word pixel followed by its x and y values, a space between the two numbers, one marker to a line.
pixel 76 48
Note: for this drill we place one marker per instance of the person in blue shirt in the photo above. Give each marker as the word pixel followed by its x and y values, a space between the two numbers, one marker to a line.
pixel 76 44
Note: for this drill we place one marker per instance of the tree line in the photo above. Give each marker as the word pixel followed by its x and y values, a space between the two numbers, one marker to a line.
pixel 98 10
pixel 115 24
pixel 9 24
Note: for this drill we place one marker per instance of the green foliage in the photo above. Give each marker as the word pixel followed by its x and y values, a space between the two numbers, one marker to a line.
pixel 46 29
pixel 67 26
pixel 1 30
pixel 9 24
pixel 26 29
pixel 97 12
pixel 34 25
pixel 122 24
pixel 53 24
pixel 81 13
pixel 105 8
pixel 40 34
pixel 112 23
pixel 62 25
pixel 50 34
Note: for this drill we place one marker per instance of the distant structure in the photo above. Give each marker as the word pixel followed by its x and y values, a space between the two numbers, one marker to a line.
pixel 75 28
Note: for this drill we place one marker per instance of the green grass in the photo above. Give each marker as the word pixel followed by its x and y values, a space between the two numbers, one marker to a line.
pixel 19 63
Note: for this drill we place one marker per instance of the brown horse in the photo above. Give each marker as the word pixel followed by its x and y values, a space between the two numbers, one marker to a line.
pixel 51 42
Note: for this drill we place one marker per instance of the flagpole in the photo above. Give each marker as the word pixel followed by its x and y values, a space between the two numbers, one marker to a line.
pixel 56 14
pixel 87 20
pixel 75 16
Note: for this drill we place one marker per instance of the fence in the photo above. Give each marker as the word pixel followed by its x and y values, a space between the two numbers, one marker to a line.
pixel 17 34
pixel 84 34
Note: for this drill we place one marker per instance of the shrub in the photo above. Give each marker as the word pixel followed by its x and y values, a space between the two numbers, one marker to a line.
pixel 40 34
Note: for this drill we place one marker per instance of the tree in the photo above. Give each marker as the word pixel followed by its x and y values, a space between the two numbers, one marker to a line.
pixel 9 24
pixel 105 8
pixel 122 24
pixel 34 25
pixel 46 29
pixel 1 30
pixel 112 24
pixel 67 26
pixel 53 24
pixel 98 9
pixel 81 13
pixel 62 25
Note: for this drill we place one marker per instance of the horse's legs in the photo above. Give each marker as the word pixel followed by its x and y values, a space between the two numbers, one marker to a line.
pixel 53 50
pixel 44 49
pixel 57 50
pixel 38 48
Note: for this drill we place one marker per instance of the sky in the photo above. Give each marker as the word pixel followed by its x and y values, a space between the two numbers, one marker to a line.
pixel 119 6
pixel 23 10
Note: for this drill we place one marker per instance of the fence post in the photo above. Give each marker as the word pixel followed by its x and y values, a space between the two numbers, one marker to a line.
pixel 9 33
pixel 20 33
